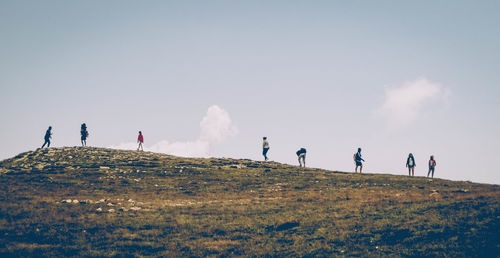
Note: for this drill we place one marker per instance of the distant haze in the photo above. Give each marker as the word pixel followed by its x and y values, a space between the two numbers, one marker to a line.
pixel 211 78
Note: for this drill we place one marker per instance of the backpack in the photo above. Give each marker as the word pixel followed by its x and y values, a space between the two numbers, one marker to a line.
pixel 302 150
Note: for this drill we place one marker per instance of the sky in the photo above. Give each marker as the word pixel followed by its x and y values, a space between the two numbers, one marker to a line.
pixel 211 78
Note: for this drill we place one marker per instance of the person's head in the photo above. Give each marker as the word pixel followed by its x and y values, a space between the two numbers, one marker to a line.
pixel 432 157
pixel 265 138
pixel 140 132
pixel 411 155
pixel 359 149
pixel 50 128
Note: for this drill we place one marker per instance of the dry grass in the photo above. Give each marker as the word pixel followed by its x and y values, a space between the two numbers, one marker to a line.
pixel 146 204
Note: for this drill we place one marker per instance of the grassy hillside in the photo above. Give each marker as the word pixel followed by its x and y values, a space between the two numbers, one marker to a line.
pixel 102 202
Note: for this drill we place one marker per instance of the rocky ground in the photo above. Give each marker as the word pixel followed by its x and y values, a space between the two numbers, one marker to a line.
pixel 103 202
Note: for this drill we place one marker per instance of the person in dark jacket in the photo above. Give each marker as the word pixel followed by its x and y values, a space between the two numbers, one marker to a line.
pixel 410 164
pixel 84 134
pixel 302 157
pixel 358 160
pixel 48 135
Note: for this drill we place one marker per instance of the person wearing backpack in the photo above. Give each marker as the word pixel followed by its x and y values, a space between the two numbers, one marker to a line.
pixel 358 160
pixel 410 164
pixel 432 165
pixel 84 134
pixel 302 157
pixel 265 148
pixel 140 140
pixel 48 135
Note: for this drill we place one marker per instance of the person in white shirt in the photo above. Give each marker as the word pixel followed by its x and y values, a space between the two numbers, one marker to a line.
pixel 265 148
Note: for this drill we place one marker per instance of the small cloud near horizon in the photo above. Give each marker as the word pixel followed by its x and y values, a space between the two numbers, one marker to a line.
pixel 216 126
pixel 405 104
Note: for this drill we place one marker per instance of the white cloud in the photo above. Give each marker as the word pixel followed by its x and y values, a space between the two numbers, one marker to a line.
pixel 216 126
pixel 405 104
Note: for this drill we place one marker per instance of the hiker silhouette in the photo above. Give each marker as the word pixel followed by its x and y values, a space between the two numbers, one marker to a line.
pixel 302 157
pixel 140 140
pixel 432 165
pixel 410 164
pixel 359 161
pixel 265 147
pixel 84 134
pixel 48 135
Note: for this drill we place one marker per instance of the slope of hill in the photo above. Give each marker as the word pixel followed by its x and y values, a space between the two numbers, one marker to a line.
pixel 103 202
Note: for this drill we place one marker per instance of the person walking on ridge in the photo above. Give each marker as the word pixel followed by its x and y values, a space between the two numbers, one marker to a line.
pixel 47 137
pixel 432 165
pixel 410 164
pixel 358 160
pixel 265 148
pixel 140 140
pixel 84 134
pixel 302 157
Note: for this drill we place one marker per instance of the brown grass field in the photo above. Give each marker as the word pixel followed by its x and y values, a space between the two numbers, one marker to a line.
pixel 102 202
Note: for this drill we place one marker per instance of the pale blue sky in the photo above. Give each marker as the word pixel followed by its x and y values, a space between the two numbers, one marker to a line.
pixel 308 74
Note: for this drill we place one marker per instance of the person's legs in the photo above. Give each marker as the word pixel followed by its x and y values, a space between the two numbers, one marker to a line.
pixel 412 171
pixel 361 168
pixel 429 172
pixel 44 144
pixel 432 172
pixel 48 144
pixel 409 171
pixel 304 159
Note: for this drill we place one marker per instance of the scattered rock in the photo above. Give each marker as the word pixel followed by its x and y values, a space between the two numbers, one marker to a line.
pixel 135 208
pixel 39 166
pixel 98 209
pixel 111 210
pixel 287 225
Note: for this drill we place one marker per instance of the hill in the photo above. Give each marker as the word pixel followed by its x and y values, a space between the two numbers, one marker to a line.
pixel 102 202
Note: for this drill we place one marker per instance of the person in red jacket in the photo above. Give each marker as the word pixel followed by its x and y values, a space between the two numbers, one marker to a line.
pixel 140 140
pixel 432 165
